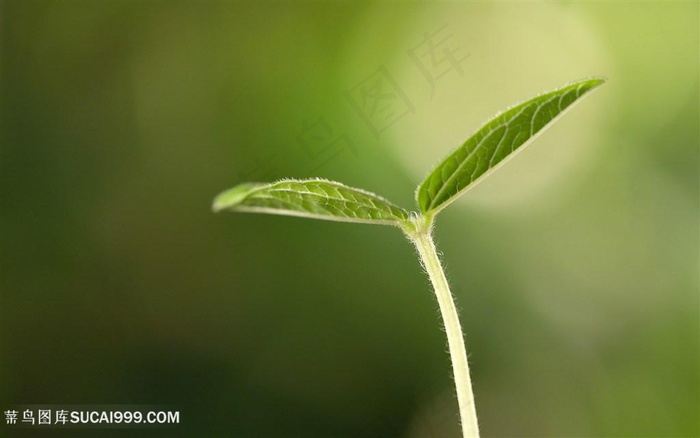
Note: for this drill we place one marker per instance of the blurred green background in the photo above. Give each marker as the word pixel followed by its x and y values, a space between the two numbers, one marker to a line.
pixel 575 266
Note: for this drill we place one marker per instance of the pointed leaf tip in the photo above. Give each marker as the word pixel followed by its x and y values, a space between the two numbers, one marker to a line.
pixel 492 143
pixel 233 196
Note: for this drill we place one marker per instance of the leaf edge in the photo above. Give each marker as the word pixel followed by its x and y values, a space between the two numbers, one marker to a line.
pixel 598 81
pixel 220 203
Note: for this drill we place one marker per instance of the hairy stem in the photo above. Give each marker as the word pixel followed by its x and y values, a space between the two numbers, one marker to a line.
pixel 421 237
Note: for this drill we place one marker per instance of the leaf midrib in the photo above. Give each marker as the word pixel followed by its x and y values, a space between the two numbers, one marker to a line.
pixel 261 194
pixel 505 124
pixel 464 162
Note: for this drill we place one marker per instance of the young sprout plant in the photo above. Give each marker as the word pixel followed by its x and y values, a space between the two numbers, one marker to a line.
pixel 483 152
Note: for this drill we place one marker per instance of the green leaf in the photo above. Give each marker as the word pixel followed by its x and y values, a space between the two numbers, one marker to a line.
pixel 496 140
pixel 313 198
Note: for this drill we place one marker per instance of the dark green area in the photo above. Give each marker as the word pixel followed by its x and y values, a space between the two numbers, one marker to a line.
pixel 121 120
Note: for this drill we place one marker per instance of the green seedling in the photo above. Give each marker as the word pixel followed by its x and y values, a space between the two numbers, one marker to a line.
pixel 482 153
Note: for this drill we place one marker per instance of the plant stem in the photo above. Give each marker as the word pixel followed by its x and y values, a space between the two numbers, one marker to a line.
pixel 421 236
